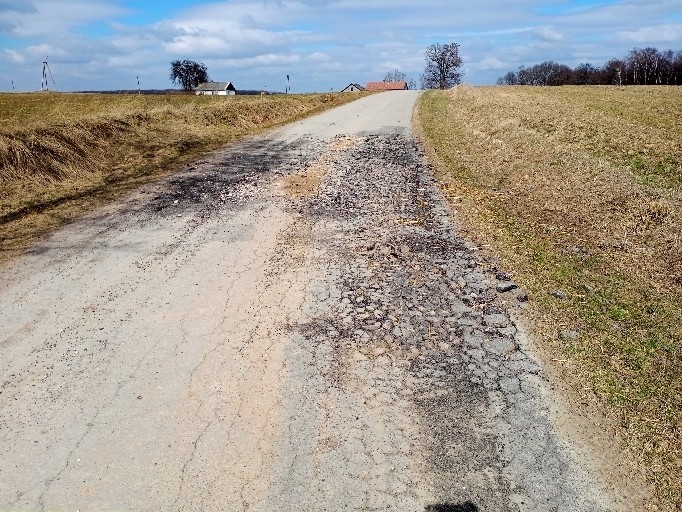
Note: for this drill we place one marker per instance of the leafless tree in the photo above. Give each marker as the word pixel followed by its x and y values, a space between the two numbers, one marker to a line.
pixel 613 73
pixel 443 65
pixel 584 74
pixel 644 65
pixel 667 74
pixel 677 69
pixel 510 78
pixel 395 76
pixel 545 73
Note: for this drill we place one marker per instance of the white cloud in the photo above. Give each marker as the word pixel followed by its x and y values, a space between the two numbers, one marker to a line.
pixel 546 34
pixel 318 57
pixel 15 56
pixel 49 18
pixel 489 63
pixel 270 59
pixel 664 33
pixel 323 43
pixel 232 41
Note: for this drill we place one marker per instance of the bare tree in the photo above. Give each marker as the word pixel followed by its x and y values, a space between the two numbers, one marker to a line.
pixel 644 65
pixel 561 75
pixel 442 69
pixel 584 74
pixel 510 78
pixel 666 70
pixel 677 69
pixel 395 76
pixel 188 74
pixel 545 73
pixel 613 73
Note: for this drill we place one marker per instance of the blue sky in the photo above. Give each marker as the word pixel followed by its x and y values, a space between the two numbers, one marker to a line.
pixel 321 44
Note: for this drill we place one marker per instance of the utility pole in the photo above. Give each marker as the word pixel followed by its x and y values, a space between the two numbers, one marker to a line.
pixel 139 91
pixel 46 71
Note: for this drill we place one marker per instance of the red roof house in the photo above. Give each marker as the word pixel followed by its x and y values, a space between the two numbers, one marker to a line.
pixel 386 86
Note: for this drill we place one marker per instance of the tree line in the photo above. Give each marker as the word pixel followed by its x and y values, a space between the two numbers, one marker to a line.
pixel 642 66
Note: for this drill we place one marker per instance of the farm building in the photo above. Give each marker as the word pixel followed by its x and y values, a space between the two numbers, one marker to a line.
pixel 216 89
pixel 386 86
pixel 353 88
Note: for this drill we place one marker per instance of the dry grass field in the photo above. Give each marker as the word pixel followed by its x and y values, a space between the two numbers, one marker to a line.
pixel 577 190
pixel 61 154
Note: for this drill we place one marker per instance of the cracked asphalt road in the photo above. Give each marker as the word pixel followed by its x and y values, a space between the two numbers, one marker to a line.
pixel 292 323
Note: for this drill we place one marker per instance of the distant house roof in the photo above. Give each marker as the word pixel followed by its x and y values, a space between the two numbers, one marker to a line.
pixel 350 87
pixel 216 86
pixel 386 86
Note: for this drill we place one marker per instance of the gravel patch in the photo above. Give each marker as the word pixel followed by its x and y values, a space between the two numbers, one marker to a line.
pixel 412 288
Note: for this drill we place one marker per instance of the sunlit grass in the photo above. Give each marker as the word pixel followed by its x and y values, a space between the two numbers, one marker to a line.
pixel 578 189
pixel 61 154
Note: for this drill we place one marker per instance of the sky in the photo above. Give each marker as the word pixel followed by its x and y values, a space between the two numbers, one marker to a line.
pixel 322 45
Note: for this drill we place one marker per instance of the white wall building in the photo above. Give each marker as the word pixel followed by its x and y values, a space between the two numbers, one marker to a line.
pixel 216 89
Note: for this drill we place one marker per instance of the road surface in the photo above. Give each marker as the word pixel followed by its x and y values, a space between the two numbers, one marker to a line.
pixel 292 323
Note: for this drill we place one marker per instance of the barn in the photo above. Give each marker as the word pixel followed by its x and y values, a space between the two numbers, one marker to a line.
pixel 386 86
pixel 216 89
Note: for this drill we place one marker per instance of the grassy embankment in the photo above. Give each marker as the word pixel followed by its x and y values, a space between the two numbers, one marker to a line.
pixel 61 154
pixel 579 190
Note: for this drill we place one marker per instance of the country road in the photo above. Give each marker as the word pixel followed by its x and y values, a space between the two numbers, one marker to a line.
pixel 292 323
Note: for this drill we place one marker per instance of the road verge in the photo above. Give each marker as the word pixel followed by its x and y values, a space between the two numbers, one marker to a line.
pixel 576 191
pixel 63 154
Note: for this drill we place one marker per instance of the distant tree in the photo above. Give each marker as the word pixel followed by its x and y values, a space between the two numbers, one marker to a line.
pixel 644 66
pixel 584 74
pixel 667 74
pixel 524 76
pixel 188 74
pixel 443 65
pixel 510 78
pixel 561 74
pixel 677 69
pixel 546 73
pixel 412 85
pixel 613 73
pixel 395 76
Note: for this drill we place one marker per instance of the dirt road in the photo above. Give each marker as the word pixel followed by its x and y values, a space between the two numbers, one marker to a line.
pixel 291 324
